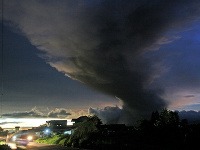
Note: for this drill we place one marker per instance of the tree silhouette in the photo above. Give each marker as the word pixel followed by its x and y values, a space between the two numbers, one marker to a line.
pixel 85 131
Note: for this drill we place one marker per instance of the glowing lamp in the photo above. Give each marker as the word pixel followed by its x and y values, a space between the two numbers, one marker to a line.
pixel 29 138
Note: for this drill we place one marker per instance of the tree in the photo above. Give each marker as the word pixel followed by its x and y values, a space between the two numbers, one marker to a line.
pixel 82 136
pixel 155 117
pixel 169 118
pixel 1 129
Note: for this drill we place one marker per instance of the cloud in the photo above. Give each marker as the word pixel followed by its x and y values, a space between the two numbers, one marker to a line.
pixel 189 96
pixel 75 113
pixel 35 113
pixel 8 122
pixel 191 116
pixel 108 115
pixel 104 43
pixel 58 113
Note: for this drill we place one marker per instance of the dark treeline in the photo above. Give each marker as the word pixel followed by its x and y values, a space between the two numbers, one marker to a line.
pixel 164 131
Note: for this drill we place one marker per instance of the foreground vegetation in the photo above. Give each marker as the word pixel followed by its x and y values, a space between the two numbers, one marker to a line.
pixel 4 147
pixel 54 139
pixel 164 131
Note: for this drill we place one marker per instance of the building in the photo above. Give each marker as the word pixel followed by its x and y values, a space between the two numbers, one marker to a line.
pixel 56 126
pixel 56 123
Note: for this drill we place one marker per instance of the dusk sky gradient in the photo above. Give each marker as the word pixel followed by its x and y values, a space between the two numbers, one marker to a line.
pixel 29 81
pixel 80 55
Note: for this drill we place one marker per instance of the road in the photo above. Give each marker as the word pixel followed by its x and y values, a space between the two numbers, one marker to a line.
pixel 37 146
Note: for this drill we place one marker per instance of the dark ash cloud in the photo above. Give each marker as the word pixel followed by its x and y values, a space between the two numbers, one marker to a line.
pixel 103 43
pixel 108 115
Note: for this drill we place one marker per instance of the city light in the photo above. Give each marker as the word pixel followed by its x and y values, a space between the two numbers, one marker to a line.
pixel 29 138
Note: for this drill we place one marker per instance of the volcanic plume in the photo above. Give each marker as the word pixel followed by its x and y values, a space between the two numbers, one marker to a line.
pixel 104 43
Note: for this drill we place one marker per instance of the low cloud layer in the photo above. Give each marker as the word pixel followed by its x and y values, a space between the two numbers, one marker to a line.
pixel 104 44
pixel 58 113
pixel 7 122
pixel 35 113
pixel 191 116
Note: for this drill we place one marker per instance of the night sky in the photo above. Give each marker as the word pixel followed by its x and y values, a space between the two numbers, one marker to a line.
pixel 117 59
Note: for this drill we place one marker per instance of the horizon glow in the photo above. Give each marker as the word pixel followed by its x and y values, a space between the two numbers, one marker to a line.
pixel 26 122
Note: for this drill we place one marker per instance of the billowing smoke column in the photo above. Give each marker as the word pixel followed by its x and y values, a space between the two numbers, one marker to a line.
pixel 104 43
pixel 108 115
